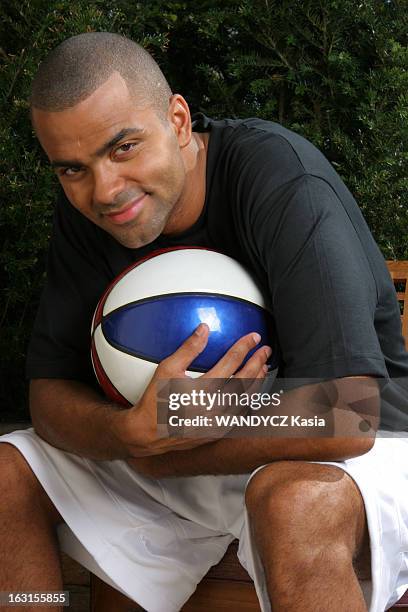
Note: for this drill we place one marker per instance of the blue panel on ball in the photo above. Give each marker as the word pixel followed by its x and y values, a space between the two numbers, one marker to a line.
pixel 154 329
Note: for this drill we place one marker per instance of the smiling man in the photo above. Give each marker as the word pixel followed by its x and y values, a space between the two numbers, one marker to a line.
pixel 313 515
pixel 123 164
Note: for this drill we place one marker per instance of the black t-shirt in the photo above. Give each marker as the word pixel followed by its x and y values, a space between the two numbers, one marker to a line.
pixel 274 203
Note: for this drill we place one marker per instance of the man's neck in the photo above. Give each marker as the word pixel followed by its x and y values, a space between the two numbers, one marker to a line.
pixel 190 205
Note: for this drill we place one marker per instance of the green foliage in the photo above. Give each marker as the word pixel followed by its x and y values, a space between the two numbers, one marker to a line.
pixel 335 71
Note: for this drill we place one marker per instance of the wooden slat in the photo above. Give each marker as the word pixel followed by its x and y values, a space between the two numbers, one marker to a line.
pixel 211 594
pixel 105 598
pixel 399 273
pixel 402 603
pixel 79 598
pixel 229 568
pixel 223 596
pixel 76 580
pixel 74 573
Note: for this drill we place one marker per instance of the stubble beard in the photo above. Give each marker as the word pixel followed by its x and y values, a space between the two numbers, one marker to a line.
pixel 141 235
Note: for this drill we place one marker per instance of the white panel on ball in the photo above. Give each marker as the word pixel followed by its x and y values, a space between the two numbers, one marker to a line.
pixel 123 369
pixel 185 270
pixel 130 375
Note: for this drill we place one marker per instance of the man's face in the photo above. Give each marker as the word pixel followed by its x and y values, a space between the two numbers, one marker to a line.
pixel 119 164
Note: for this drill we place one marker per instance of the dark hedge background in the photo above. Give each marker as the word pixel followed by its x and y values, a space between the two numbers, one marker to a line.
pixel 334 70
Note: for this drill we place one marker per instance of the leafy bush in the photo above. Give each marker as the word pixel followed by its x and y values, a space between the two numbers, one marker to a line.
pixel 335 71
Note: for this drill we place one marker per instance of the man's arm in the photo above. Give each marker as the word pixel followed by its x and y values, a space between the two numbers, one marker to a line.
pixel 73 417
pixel 240 456
pixel 356 405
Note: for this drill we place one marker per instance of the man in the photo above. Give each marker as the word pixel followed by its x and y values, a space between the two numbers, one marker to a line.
pixel 157 513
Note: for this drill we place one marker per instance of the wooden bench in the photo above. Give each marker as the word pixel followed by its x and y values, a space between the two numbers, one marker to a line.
pixel 399 274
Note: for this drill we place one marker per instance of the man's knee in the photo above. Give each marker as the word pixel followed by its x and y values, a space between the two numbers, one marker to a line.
pixel 20 489
pixel 297 501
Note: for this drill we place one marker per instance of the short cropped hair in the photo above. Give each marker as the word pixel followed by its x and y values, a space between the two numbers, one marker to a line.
pixel 81 64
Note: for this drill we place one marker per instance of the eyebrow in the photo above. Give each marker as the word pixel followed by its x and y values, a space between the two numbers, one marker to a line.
pixel 76 163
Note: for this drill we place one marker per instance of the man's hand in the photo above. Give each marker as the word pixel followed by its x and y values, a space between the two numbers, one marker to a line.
pixel 138 428
pixel 356 403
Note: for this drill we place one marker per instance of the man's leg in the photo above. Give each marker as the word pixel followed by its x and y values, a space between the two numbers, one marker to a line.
pixel 309 525
pixel 29 554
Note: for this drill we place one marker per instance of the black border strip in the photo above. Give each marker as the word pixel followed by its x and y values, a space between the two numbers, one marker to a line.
pixel 184 293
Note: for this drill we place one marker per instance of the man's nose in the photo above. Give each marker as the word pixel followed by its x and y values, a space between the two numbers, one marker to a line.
pixel 108 184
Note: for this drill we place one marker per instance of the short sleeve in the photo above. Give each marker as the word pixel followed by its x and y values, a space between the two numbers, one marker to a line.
pixel 323 293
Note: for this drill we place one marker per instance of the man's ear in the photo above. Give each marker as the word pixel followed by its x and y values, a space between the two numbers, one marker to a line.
pixel 180 119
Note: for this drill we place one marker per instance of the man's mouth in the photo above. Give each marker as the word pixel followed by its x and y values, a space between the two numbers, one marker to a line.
pixel 128 212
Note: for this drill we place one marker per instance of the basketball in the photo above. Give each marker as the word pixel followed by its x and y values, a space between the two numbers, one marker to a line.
pixel 150 309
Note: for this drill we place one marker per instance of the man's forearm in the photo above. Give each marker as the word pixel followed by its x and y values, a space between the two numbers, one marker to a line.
pixel 355 403
pixel 239 456
pixel 73 417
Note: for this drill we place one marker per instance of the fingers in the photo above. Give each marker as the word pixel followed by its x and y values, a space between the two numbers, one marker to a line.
pixel 256 366
pixel 178 362
pixel 234 357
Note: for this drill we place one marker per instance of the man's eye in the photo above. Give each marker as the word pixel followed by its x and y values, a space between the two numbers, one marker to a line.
pixel 125 147
pixel 70 171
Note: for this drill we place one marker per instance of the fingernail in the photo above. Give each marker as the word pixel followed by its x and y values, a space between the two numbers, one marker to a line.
pixel 200 330
pixel 256 338
pixel 268 351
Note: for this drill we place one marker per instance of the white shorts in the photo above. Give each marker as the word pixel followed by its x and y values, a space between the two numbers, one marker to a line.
pixel 154 540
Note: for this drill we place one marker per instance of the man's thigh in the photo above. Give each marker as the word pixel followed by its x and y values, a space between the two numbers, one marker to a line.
pixel 308 503
pixel 19 483
pixel 381 478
